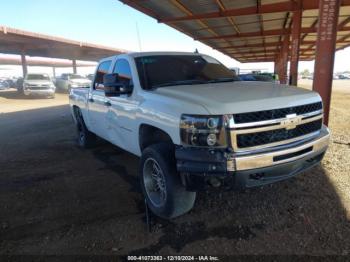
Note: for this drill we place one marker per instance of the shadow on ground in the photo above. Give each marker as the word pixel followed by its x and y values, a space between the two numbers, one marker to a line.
pixel 58 199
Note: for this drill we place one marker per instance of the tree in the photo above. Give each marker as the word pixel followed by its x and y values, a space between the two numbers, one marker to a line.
pixel 305 73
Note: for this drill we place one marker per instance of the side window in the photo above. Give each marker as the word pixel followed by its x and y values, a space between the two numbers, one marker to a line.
pixel 101 71
pixel 122 68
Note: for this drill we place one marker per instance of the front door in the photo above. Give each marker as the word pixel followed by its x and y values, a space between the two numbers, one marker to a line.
pixel 121 121
pixel 98 103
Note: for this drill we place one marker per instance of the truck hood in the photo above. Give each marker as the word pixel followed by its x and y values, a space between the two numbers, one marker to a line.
pixel 38 82
pixel 240 97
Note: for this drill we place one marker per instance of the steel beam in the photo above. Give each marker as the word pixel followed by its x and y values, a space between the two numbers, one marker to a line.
pixel 275 32
pixel 325 52
pixel 272 51
pixel 277 44
pixel 295 46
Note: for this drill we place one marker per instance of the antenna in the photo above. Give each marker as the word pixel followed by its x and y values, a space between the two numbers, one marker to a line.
pixel 138 37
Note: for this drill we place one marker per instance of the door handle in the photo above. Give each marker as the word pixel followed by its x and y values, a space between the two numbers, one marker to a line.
pixel 107 103
pixel 91 100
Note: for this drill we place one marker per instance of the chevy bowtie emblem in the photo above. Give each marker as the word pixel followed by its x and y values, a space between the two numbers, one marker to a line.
pixel 291 121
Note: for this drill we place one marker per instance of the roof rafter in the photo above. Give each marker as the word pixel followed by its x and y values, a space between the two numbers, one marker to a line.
pixel 275 32
pixel 264 9
pixel 277 44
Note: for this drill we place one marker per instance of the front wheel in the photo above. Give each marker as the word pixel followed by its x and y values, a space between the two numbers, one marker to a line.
pixel 161 184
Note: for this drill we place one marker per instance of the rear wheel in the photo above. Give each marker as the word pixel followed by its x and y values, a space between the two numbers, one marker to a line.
pixel 86 139
pixel 161 184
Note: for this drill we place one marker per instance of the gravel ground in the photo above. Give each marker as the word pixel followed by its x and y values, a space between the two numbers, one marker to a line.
pixel 58 199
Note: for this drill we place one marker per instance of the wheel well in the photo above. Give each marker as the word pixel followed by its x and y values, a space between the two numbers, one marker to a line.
pixel 76 110
pixel 149 135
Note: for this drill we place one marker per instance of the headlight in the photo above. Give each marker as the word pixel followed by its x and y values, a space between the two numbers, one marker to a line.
pixel 203 131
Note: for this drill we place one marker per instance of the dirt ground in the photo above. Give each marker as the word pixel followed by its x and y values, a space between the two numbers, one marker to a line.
pixel 58 199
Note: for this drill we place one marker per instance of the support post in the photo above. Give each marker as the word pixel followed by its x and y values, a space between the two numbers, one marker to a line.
pixel 295 46
pixel 74 66
pixel 54 71
pixel 325 52
pixel 284 60
pixel 279 68
pixel 24 64
pixel 275 67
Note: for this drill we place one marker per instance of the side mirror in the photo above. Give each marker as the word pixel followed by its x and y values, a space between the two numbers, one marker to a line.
pixel 115 86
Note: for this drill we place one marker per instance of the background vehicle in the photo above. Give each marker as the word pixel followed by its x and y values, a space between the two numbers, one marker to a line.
pixel 195 127
pixel 68 81
pixel 257 77
pixel 344 76
pixel 90 77
pixel 235 70
pixel 38 84
pixel 4 84
pixel 10 81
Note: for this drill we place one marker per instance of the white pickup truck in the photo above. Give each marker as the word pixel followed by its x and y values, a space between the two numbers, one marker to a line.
pixel 195 126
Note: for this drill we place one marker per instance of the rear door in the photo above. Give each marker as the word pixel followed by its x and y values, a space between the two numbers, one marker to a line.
pixel 98 106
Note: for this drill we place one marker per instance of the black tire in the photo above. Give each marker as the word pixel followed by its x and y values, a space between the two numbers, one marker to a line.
pixel 177 200
pixel 86 139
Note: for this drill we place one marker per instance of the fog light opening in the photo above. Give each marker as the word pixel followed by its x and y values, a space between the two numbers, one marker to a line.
pixel 214 182
pixel 257 176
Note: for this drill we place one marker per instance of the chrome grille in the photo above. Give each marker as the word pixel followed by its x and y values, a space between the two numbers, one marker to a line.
pixel 276 113
pixel 275 127
pixel 42 87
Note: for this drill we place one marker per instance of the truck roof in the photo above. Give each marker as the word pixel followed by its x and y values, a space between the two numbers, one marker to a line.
pixel 138 54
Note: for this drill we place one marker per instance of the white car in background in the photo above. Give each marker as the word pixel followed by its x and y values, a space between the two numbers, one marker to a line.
pixel 38 84
pixel 68 81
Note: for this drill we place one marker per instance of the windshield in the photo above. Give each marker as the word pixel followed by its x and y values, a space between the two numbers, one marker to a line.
pixel 38 77
pixel 76 77
pixel 167 70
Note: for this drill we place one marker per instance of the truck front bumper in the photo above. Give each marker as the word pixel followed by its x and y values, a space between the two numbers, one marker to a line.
pixel 43 92
pixel 200 167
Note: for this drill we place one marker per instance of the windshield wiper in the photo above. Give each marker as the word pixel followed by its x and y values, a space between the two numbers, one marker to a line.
pixel 181 82
pixel 220 80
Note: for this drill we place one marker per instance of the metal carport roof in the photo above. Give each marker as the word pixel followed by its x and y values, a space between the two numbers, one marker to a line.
pixel 14 41
pixel 249 30
pixel 43 62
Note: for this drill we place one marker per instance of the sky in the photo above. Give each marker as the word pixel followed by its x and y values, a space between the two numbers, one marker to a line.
pixel 111 23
